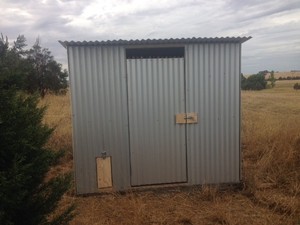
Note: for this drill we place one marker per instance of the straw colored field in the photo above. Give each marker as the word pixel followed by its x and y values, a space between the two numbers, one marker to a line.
pixel 286 74
pixel 277 75
pixel 271 170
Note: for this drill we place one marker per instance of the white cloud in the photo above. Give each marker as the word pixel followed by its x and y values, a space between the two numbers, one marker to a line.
pixel 274 24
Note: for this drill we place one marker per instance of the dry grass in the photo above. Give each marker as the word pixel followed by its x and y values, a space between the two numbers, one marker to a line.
pixel 271 141
pixel 271 168
pixel 58 115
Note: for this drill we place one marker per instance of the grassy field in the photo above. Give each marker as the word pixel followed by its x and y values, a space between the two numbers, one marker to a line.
pixel 271 172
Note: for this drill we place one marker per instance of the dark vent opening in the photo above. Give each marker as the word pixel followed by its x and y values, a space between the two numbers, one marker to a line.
pixel 171 52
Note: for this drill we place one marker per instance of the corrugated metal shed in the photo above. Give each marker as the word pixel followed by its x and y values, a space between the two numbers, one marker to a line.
pixel 127 97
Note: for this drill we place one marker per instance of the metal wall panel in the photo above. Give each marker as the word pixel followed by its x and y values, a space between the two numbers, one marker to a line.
pixel 99 111
pixel 157 143
pixel 213 90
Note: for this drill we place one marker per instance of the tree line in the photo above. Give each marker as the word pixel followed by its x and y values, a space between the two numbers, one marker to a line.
pixel 289 78
pixel 258 81
pixel 34 70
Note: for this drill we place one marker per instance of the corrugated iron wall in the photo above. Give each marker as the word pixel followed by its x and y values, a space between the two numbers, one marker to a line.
pixel 99 109
pixel 213 90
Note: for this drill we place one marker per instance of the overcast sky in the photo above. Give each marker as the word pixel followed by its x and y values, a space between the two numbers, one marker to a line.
pixel 273 24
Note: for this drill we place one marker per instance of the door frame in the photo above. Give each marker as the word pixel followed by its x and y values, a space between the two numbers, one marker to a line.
pixel 185 125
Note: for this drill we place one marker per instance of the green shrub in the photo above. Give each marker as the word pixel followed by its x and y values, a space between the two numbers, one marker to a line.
pixel 25 196
pixel 297 86
pixel 272 79
pixel 253 82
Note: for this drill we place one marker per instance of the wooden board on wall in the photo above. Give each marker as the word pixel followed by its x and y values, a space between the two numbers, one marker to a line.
pixel 180 118
pixel 193 117
pixel 184 118
pixel 104 176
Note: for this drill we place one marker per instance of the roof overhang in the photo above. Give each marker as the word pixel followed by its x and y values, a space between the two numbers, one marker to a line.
pixel 157 41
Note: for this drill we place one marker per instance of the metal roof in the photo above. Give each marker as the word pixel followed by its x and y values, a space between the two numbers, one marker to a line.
pixel 156 41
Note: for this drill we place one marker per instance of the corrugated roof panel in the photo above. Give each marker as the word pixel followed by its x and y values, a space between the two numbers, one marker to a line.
pixel 157 41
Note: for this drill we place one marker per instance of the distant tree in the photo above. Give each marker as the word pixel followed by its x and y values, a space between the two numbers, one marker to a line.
pixel 263 73
pixel 47 73
pixel 296 86
pixel 3 60
pixel 14 67
pixel 272 79
pixel 254 82
pixel 33 70
pixel 19 45
pixel 26 197
pixel 289 78
pixel 243 82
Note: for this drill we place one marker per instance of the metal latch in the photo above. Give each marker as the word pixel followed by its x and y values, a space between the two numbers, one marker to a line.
pixel 187 118
pixel 103 155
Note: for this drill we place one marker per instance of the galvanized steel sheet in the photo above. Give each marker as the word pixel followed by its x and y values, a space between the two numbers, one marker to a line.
pixel 99 114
